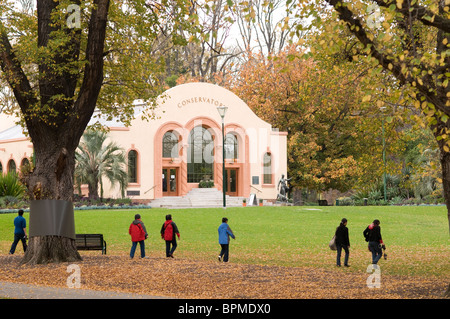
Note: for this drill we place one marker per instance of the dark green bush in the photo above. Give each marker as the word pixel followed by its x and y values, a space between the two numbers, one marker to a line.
pixel 10 185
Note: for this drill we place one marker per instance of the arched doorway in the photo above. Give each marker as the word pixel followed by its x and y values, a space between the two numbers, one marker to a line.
pixel 169 170
pixel 186 155
pixel 231 148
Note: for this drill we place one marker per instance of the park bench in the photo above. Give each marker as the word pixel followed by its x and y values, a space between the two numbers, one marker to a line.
pixel 91 242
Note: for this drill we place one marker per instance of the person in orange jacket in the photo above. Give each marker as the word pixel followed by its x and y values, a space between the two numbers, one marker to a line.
pixel 138 234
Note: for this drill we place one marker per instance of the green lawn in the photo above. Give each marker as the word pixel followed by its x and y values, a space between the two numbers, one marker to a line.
pixel 416 237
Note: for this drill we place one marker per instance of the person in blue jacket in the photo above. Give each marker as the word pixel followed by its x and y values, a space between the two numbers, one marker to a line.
pixel 224 239
pixel 20 232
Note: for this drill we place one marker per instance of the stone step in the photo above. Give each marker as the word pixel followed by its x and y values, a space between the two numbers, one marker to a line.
pixel 197 197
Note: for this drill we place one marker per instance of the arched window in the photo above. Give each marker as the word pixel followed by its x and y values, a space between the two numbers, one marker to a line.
pixel 12 166
pixel 200 155
pixel 25 162
pixel 170 145
pixel 132 166
pixel 231 146
pixel 267 169
pixel 1 168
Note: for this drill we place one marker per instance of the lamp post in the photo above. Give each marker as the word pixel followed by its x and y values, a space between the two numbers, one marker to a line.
pixel 222 110
pixel 384 152
pixel 384 162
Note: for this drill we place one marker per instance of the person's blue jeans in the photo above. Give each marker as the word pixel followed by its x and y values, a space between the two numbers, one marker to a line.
pixel 169 250
pixel 133 248
pixel 339 251
pixel 17 238
pixel 375 248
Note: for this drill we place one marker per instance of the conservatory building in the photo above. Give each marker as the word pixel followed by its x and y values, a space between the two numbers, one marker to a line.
pixel 183 148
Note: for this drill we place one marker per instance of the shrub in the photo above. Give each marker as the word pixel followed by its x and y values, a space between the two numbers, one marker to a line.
pixel 398 200
pixel 206 184
pixel 346 201
pixel 10 185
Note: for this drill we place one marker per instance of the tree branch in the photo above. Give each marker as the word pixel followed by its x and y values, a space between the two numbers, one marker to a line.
pixel 14 74
pixel 423 14
pixel 93 72
pixel 426 88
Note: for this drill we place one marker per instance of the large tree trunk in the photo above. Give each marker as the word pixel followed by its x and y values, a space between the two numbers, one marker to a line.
pixel 445 168
pixel 50 249
pixel 445 163
pixel 52 178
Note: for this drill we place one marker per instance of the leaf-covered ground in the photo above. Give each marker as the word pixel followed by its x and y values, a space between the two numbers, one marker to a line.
pixel 188 278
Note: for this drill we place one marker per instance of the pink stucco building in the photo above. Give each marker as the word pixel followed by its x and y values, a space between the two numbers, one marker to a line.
pixel 170 154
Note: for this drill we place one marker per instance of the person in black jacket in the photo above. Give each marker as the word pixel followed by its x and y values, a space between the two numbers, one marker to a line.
pixel 342 241
pixel 373 235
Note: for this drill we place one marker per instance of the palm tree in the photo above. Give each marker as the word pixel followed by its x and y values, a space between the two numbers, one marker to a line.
pixel 94 160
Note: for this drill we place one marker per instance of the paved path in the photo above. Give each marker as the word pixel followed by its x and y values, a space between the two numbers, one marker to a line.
pixel 25 291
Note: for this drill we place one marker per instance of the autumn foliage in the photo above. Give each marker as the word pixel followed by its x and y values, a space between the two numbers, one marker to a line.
pixel 319 106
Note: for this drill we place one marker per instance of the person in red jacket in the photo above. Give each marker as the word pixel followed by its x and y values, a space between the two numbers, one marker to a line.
pixel 138 234
pixel 168 231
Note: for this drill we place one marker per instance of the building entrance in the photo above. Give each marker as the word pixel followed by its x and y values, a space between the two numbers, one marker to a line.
pixel 231 178
pixel 170 181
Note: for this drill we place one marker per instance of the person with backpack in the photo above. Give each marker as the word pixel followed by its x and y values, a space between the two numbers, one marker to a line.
pixel 342 242
pixel 138 234
pixel 168 231
pixel 372 235
pixel 224 239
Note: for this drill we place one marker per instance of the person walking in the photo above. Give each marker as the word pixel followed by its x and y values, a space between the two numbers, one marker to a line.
pixel 342 242
pixel 138 234
pixel 20 232
pixel 168 231
pixel 373 236
pixel 224 239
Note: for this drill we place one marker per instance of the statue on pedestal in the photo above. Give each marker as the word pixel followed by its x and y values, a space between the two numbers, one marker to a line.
pixel 283 188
